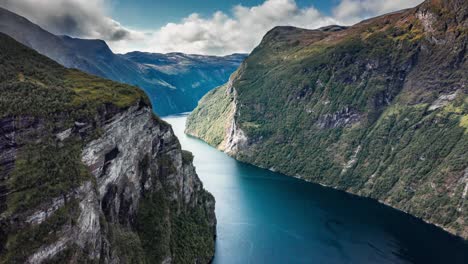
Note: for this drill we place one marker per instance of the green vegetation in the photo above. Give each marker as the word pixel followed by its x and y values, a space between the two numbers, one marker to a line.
pixel 41 99
pixel 351 110
pixel 187 157
pixel 44 171
pixel 127 245
pixel 186 236
pixel 33 85
pixel 165 230
pixel 89 89
pixel 154 225
pixel 211 120
pixel 191 237
pixel 25 241
pixel 37 91
pixel 34 91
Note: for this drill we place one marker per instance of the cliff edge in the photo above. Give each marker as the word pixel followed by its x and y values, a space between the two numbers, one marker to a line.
pixel 88 174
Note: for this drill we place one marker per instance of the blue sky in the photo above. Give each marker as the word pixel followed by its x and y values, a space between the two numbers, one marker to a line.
pixel 147 14
pixel 214 27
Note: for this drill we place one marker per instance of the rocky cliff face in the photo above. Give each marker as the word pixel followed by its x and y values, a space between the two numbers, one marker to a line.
pixel 378 109
pixel 89 174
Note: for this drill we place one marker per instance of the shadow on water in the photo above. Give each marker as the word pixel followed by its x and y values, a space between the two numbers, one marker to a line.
pixel 266 217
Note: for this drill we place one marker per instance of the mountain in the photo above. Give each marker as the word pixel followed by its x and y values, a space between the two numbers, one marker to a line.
pixel 193 75
pixel 379 109
pixel 185 78
pixel 174 82
pixel 88 174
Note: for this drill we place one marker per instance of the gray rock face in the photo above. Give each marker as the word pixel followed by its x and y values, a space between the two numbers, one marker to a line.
pixel 342 118
pixel 235 138
pixel 129 162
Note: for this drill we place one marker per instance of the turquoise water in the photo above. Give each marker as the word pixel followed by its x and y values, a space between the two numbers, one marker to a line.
pixel 266 217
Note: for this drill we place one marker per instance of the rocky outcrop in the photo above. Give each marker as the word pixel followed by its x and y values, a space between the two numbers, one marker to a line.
pixel 234 138
pixel 344 117
pixel 116 161
pixel 378 109
pixel 99 180
pixel 135 156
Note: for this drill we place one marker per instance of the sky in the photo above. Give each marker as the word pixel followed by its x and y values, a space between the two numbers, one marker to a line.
pixel 148 14
pixel 211 27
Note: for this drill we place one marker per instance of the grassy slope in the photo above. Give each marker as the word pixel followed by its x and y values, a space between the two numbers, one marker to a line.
pixel 212 117
pixel 404 154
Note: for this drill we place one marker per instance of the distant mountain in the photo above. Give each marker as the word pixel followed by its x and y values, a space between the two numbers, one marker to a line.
pixel 379 109
pixel 194 75
pixel 174 82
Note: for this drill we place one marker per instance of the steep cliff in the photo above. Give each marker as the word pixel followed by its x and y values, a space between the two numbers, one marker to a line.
pixel 88 174
pixel 174 82
pixel 379 109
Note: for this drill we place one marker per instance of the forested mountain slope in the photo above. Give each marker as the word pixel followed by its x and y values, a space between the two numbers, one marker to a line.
pixel 379 109
pixel 174 82
pixel 88 174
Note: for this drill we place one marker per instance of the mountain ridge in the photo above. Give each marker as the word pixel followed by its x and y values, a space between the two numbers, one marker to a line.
pixel 95 57
pixel 88 173
pixel 378 109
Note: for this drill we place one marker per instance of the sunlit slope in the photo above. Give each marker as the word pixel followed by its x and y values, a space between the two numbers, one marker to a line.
pixel 378 109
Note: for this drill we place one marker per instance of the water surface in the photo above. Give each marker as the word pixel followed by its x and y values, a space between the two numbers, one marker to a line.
pixel 266 217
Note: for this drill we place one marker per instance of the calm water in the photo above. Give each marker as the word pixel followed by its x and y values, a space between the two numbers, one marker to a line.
pixel 266 217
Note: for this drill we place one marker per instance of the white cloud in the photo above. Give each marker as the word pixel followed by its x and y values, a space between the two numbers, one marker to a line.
pixel 243 28
pixel 82 18
pixel 352 11
pixel 240 30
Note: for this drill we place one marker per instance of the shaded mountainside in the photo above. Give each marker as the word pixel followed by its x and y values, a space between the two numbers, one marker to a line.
pixel 191 76
pixel 88 174
pixel 379 109
pixel 174 82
